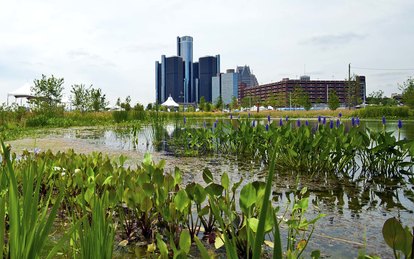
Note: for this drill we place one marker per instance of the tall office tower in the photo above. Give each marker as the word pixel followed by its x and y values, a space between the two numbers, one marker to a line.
pixel 229 86
pixel 169 78
pixel 225 85
pixel 246 77
pixel 196 82
pixel 208 67
pixel 185 51
pixel 216 87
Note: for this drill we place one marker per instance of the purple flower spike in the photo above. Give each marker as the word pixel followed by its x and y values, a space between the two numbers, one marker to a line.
pixel 353 121
pixel 249 114
pixel 280 122
pixel 215 124
pixel 268 118
pixel 338 123
pixel 324 120
pixel 287 118
pixel 319 119
pixel 267 127
pixel 357 121
pixel 36 150
pixel 384 121
pixel 231 116
pixel 298 123
pixel 400 124
pixel 340 115
pixel 253 123
pixel 331 124
pixel 307 123
pixel 204 124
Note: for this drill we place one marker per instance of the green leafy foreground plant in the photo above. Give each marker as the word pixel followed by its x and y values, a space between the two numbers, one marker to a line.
pixel 29 226
pixel 398 238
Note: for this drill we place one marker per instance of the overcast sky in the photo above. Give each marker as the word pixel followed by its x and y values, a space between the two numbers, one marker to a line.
pixel 114 44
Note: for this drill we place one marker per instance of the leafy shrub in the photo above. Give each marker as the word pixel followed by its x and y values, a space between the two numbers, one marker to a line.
pixel 37 121
pixel 120 116
pixel 379 111
pixel 138 115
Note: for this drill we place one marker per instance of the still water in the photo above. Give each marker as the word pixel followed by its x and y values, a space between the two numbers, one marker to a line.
pixel 356 210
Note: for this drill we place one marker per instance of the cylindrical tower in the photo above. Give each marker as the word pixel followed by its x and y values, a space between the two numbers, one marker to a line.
pixel 185 50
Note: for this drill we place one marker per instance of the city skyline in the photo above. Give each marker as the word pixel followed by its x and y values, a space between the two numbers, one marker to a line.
pixel 113 46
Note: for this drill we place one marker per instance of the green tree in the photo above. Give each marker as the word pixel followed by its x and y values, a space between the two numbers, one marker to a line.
pixel 249 101
pixel 375 97
pixel 80 97
pixel 207 107
pixel 202 104
pixel 127 104
pixel 219 103
pixel 97 100
pixel 281 100
pixel 408 92
pixel 301 98
pixel 48 89
pixel 353 97
pixel 333 101
pixel 149 106
pixel 234 104
pixel 139 107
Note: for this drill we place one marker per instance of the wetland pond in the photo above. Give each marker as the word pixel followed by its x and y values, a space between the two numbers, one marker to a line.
pixel 356 210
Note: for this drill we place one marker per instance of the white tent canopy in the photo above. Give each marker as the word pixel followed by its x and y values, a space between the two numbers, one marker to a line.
pixel 170 102
pixel 24 91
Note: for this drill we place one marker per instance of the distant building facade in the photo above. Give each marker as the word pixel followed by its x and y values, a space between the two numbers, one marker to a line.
pixel 169 78
pixel 246 77
pixel 186 81
pixel 185 51
pixel 318 90
pixel 226 86
pixel 208 67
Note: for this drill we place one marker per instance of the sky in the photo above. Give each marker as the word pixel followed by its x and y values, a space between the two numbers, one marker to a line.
pixel 113 45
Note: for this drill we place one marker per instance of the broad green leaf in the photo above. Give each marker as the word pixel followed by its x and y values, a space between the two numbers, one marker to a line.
pixel 393 233
pixel 207 176
pixel 181 200
pixel 185 241
pixel 177 176
pixel 146 204
pixel 147 159
pixel 108 180
pixel 316 254
pixel 225 181
pixel 162 247
pixel 247 197
pixel 199 194
pixel 214 189
pixel 219 241
pixel 253 223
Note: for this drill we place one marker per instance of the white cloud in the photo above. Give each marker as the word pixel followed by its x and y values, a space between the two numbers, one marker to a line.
pixel 114 44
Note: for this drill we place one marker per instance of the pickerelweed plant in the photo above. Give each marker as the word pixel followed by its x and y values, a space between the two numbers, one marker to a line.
pixel 304 148
pixel 100 201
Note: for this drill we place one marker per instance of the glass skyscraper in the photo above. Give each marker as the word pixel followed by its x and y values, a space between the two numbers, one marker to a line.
pixel 185 51
pixel 184 80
